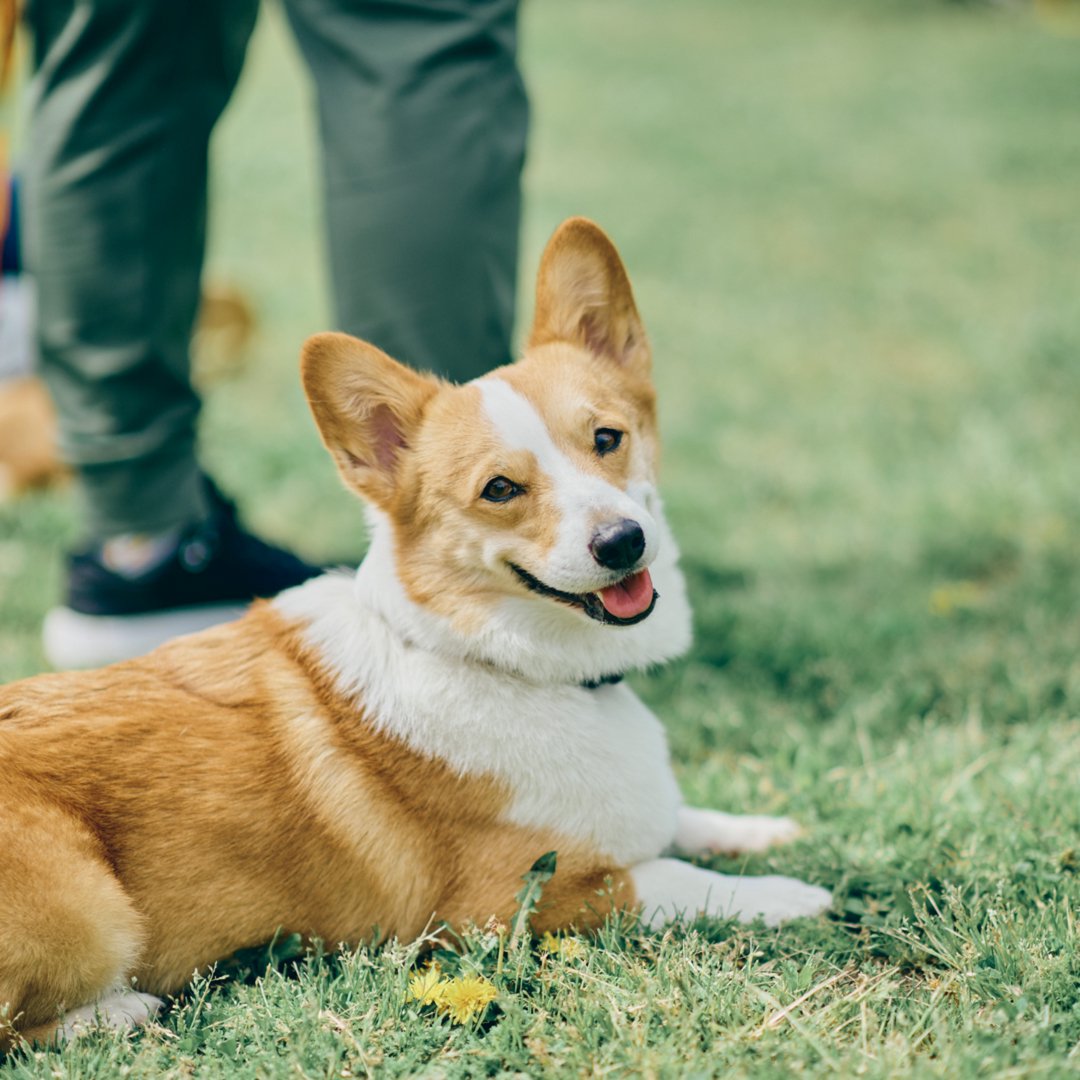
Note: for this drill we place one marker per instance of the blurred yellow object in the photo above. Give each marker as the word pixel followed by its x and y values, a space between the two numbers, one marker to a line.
pixel 223 333
pixel 1060 16
pixel 8 18
pixel 27 437
pixel 956 596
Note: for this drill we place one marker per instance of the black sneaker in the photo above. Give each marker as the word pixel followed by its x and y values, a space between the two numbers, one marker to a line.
pixel 216 570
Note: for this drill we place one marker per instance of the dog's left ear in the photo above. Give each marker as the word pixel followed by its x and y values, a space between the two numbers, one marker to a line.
pixel 367 407
pixel 583 296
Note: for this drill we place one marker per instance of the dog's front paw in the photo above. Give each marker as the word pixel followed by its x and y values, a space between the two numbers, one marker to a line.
pixel 777 899
pixel 670 889
pixel 710 832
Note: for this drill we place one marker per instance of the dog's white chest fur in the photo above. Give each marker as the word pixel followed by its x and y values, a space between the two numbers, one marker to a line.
pixel 591 765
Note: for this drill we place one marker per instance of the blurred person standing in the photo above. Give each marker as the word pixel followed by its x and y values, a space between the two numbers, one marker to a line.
pixel 423 118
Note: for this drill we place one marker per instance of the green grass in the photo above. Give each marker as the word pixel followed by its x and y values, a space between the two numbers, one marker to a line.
pixel 853 231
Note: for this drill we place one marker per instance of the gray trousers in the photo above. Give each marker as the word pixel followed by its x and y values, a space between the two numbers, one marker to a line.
pixel 423 118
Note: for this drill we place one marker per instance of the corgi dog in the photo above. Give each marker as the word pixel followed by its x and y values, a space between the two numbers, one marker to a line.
pixel 398 746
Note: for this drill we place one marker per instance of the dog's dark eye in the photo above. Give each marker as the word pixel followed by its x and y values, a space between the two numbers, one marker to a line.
pixel 500 490
pixel 606 439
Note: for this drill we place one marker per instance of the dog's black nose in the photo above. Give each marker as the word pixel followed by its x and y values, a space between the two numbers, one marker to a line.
pixel 618 546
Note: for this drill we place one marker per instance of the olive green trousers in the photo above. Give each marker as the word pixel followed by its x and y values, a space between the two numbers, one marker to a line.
pixel 423 118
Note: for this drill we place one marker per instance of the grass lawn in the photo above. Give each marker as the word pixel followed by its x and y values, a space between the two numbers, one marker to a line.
pixel 854 231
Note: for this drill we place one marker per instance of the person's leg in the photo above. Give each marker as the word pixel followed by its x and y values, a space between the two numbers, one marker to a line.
pixel 122 102
pixel 423 116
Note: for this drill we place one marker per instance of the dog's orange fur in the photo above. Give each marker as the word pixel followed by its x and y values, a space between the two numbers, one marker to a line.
pixel 160 814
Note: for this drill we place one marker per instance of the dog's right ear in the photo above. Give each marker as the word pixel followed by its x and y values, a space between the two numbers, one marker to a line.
pixel 583 296
pixel 367 408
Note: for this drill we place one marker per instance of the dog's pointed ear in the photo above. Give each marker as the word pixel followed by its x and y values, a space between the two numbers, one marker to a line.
pixel 367 408
pixel 583 296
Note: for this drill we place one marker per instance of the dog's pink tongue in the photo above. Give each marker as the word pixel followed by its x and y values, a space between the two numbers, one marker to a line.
pixel 630 597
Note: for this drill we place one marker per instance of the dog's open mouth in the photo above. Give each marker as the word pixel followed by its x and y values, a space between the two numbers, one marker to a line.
pixel 622 604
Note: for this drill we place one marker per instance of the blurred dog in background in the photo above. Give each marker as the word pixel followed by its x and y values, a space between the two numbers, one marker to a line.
pixel 29 455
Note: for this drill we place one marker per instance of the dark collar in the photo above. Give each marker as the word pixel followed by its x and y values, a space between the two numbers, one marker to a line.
pixel 604 680
pixel 585 684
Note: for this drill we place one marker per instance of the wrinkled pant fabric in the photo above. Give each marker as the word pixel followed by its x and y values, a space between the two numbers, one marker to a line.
pixel 423 119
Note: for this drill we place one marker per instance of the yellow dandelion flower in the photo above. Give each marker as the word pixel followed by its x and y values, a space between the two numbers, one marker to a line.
pixel 567 947
pixel 463 999
pixel 571 947
pixel 427 988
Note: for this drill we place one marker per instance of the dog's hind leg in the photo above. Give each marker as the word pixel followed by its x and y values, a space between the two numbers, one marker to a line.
pixel 69 934
pixel 710 832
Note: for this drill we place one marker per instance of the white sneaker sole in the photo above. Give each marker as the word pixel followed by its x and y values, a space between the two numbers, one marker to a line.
pixel 75 640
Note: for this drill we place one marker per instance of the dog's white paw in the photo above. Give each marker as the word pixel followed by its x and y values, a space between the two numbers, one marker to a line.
pixel 710 832
pixel 121 1009
pixel 776 899
pixel 668 889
